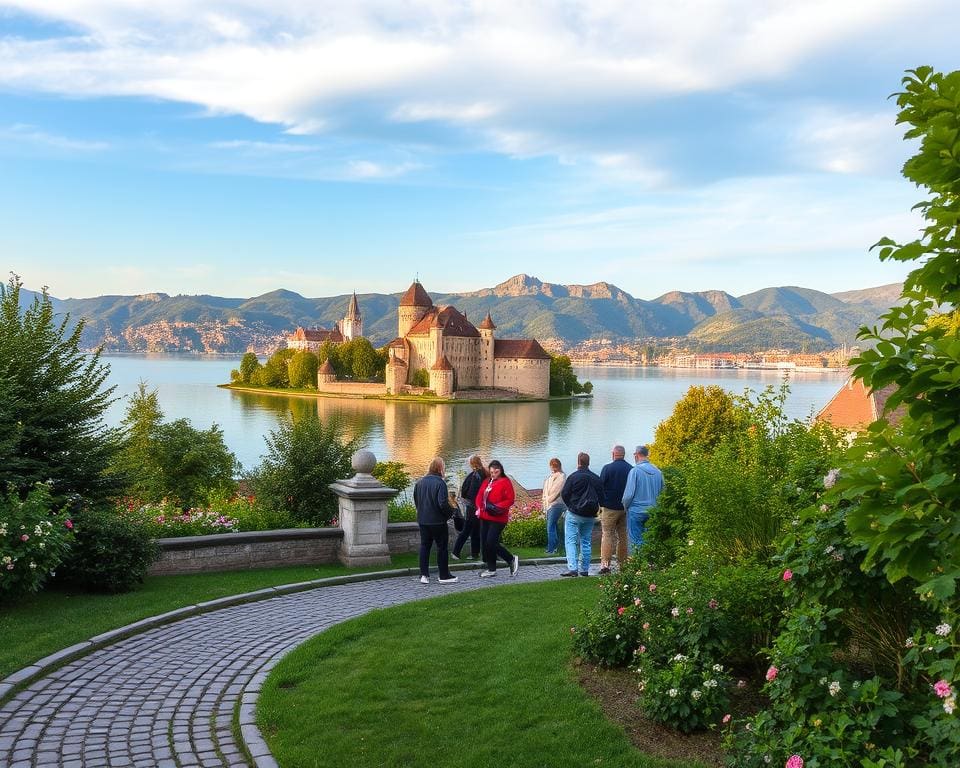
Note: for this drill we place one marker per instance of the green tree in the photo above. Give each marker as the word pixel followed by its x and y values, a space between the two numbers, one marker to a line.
pixel 249 364
pixel 366 362
pixel 392 474
pixel 334 353
pixel 699 419
pixel 303 457
pixel 52 400
pixel 420 378
pixel 172 460
pixel 563 381
pixel 303 370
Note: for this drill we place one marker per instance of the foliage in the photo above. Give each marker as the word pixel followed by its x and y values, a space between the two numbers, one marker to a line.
pixel 420 378
pixel 699 419
pixel 166 519
pixel 52 402
pixel 401 510
pixel 303 458
pixel 111 553
pixel 249 364
pixel 667 532
pixel 392 474
pixel 302 370
pixel 275 372
pixel 33 540
pixel 684 693
pixel 172 460
pixel 527 526
pixel 563 381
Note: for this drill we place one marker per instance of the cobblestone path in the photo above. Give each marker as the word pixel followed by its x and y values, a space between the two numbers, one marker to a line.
pixel 165 698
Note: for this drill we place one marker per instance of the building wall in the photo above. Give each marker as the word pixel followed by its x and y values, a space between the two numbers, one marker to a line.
pixel 352 387
pixel 529 377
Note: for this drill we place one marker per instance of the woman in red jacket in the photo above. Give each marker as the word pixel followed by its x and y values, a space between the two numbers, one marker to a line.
pixel 493 508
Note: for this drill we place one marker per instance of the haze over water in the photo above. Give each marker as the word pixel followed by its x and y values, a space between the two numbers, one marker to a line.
pixel 627 405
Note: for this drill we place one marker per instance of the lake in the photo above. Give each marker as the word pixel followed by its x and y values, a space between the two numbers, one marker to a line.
pixel 627 405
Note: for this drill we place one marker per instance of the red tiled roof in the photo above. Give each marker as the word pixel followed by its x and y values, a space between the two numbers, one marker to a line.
pixel 855 407
pixel 453 323
pixel 316 334
pixel 442 364
pixel 528 349
pixel 416 296
pixel 326 367
pixel 487 323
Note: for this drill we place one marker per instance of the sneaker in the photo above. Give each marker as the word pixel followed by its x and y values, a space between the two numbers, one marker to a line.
pixel 487 574
pixel 454 557
pixel 584 573
pixel 449 580
pixel 550 553
pixel 569 573
pixel 515 565
pixel 604 570
pixel 424 579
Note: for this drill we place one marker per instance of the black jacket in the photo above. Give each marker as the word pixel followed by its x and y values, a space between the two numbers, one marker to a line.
pixel 614 479
pixel 580 488
pixel 470 488
pixel 430 499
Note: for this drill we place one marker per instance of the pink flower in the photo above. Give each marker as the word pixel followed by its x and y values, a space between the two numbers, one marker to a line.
pixel 642 649
pixel 787 575
pixel 646 625
pixel 726 719
pixel 636 602
pixel 69 524
pixel 713 604
pixel 689 611
pixel 620 610
pixel 24 537
pixel 942 689
pixel 772 674
pixel 653 587
pixel 794 761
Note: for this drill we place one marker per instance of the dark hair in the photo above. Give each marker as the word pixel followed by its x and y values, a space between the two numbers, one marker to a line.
pixel 583 460
pixel 496 464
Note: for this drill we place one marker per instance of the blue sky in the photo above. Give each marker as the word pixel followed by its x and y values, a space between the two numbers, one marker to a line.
pixel 240 146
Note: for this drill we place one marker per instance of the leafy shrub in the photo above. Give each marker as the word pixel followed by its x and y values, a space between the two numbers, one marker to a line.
pixel 303 458
pixel 699 419
pixel 401 510
pixel 166 519
pixel 684 693
pixel 110 553
pixel 527 526
pixel 392 474
pixel 667 531
pixel 420 378
pixel 33 540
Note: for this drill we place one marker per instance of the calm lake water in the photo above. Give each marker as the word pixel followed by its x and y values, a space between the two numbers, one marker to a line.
pixel 628 404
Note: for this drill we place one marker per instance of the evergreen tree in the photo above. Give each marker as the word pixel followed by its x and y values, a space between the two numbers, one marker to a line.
pixel 52 400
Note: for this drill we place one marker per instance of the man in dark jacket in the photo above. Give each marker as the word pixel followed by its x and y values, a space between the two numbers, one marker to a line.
pixel 434 508
pixel 613 520
pixel 582 493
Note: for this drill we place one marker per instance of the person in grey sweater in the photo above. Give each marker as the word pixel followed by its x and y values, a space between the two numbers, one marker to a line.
pixel 434 509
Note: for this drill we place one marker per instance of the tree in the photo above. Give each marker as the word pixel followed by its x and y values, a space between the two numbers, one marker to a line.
pixel 303 370
pixel 249 364
pixel 563 381
pixel 420 378
pixel 172 460
pixel 52 400
pixel 699 419
pixel 303 457
pixel 366 361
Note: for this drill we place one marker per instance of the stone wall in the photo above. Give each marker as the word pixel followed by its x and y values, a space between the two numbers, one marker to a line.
pixel 527 376
pixel 352 388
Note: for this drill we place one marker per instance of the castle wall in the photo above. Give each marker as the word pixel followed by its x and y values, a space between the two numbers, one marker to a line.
pixel 529 377
pixel 464 355
pixel 352 387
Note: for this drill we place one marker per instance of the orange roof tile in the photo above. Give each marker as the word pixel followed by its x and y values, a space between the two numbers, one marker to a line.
pixel 452 321
pixel 442 364
pixel 416 296
pixel 528 349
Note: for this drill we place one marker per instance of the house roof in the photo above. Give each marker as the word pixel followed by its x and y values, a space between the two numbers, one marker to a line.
pixel 487 323
pixel 416 296
pixel 528 349
pixel 452 321
pixel 855 407
pixel 316 334
pixel 442 364
pixel 326 368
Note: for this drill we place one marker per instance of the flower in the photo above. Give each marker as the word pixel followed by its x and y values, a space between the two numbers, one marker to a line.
pixel 653 587
pixel 772 674
pixel 672 693
pixel 711 683
pixel 573 630
pixel 689 542
pixel 949 704
pixel 24 537
pixel 674 612
pixel 689 611
pixel 696 694
pixel 787 575
pixel 909 643
pixel 942 689
pixel 829 480
pixel 794 761
pixel 718 667
pixel 636 602
pixel 834 688
pixel 741 684
pixel 943 629
pixel 69 524
pixel 620 610
pixel 726 719
pixel 646 625
pixel 642 649
pixel 713 604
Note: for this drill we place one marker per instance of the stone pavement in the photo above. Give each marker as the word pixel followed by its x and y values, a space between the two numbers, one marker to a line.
pixel 165 698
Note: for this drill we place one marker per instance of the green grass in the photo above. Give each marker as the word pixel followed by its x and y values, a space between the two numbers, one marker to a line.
pixel 474 679
pixel 35 626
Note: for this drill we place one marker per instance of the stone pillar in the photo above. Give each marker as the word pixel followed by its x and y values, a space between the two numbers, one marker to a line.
pixel 363 514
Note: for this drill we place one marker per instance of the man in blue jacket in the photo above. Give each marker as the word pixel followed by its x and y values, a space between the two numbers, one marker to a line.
pixel 644 484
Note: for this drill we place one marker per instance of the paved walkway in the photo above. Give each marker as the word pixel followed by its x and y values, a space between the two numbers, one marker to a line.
pixel 165 698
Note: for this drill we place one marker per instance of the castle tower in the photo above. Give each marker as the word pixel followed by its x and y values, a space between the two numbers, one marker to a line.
pixel 352 323
pixel 487 362
pixel 326 374
pixel 413 306
pixel 441 377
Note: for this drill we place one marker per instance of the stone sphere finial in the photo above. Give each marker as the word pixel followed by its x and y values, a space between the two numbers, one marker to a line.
pixel 363 462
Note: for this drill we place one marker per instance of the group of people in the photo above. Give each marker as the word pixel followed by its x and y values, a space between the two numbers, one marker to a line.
pixel 621 496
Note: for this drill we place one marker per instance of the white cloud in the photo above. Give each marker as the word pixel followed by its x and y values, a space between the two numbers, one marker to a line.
pixel 366 169
pixel 849 143
pixel 28 134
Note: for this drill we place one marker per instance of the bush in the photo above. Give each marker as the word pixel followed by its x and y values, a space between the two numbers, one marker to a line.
pixel 165 519
pixel 401 510
pixel 667 531
pixel 392 474
pixel 698 421
pixel 685 693
pixel 33 541
pixel 303 458
pixel 110 553
pixel 527 526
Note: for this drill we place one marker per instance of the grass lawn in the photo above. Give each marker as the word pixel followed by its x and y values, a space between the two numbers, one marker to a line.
pixel 474 679
pixel 37 625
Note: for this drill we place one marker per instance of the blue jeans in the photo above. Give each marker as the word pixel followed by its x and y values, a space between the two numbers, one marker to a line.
pixel 553 528
pixel 578 532
pixel 636 521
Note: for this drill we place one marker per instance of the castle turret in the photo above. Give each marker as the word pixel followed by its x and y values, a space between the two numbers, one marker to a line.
pixel 325 374
pixel 486 329
pixel 441 377
pixel 414 304
pixel 352 323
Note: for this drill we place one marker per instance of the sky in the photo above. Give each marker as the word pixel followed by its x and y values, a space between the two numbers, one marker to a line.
pixel 241 146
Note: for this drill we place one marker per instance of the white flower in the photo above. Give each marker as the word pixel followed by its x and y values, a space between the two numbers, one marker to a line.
pixel 831 478
pixel 834 688
pixel 829 549
pixel 823 681
pixel 618 637
pixel 949 704
pixel 856 684
pixel 695 695
pixel 943 629
pixel 767 758
pixel 32 564
pixel 824 507
pixel 672 693
pixel 679 657
pixel 694 573
pixel 909 643
pixel 718 667
pixel 674 612
pixel 711 683
pixel 689 542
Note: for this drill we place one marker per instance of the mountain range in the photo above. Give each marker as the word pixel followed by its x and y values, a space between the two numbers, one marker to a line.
pixel 560 316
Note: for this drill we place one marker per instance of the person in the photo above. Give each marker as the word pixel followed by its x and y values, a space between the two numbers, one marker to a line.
pixel 553 504
pixel 494 500
pixel 433 511
pixel 471 524
pixel 644 484
pixel 613 519
pixel 581 493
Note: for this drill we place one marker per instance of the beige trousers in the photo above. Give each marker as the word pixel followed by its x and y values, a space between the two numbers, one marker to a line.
pixel 613 526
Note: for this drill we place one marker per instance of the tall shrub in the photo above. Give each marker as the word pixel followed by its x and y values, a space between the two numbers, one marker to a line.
pixel 34 539
pixel 699 419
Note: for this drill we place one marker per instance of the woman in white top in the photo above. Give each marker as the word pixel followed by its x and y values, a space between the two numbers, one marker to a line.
pixel 553 505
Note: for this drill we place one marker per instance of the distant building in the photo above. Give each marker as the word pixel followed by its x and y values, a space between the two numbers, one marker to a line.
pixel 347 329
pixel 855 407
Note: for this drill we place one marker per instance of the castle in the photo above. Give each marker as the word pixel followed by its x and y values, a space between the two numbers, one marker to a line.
pixel 347 329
